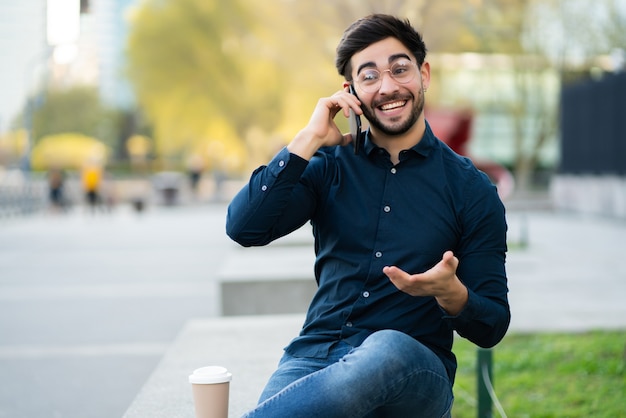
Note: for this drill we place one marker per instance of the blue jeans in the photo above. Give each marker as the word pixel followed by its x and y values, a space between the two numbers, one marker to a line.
pixel 389 375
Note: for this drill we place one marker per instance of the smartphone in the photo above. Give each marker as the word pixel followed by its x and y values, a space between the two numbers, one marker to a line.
pixel 355 127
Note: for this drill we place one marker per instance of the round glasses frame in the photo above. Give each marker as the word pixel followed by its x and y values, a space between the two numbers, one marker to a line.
pixel 370 79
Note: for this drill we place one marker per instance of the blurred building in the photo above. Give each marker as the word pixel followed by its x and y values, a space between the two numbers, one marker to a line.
pixel 592 172
pixel 30 64
pixel 488 85
pixel 22 53
pixel 105 22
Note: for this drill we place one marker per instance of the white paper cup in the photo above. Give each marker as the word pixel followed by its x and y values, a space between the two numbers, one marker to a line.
pixel 210 386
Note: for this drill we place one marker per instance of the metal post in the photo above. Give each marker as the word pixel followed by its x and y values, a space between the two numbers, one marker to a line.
pixel 484 381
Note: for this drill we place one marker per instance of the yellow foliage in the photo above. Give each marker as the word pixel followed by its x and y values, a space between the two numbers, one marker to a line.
pixel 68 151
pixel 138 146
pixel 200 65
pixel 219 147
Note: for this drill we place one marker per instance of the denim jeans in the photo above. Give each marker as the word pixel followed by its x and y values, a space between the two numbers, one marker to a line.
pixel 389 375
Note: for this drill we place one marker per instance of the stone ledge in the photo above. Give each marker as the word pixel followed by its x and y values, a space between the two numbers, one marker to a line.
pixel 267 280
pixel 249 347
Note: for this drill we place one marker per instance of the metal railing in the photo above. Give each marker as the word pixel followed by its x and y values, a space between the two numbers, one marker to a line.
pixel 22 197
pixel 484 384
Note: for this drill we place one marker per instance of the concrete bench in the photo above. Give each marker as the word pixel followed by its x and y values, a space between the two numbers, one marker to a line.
pixel 249 347
pixel 269 280
pixel 274 279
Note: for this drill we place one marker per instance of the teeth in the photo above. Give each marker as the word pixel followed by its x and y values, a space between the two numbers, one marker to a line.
pixel 393 105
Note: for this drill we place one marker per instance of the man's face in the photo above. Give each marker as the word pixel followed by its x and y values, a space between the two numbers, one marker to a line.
pixel 394 107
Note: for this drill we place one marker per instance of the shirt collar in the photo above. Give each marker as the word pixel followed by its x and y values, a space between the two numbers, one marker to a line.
pixel 423 148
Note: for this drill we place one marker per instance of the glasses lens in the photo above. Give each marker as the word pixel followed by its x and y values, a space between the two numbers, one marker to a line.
pixel 402 71
pixel 369 80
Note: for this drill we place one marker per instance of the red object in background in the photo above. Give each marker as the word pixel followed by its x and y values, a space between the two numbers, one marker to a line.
pixel 454 127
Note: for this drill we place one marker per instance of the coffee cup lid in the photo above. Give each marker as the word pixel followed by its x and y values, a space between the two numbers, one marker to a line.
pixel 209 375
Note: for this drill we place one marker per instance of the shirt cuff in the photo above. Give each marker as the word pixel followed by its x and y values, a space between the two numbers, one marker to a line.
pixel 469 311
pixel 289 166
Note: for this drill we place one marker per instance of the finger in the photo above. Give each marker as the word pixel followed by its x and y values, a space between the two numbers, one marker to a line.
pixel 449 260
pixel 394 273
pixel 401 280
pixel 346 101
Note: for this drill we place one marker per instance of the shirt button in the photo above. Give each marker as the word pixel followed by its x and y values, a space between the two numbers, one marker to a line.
pixel 264 187
pixel 387 209
pixel 349 324
pixel 366 294
pixel 378 254
pixel 281 163
pixel 393 170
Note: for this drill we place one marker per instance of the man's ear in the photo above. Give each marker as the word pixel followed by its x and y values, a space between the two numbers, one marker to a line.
pixel 425 73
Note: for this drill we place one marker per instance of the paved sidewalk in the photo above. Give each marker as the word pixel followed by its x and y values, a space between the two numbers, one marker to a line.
pixel 570 277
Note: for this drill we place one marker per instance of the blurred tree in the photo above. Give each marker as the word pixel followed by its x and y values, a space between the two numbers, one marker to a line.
pixel 499 26
pixel 615 26
pixel 554 35
pixel 194 64
pixel 258 67
pixel 77 110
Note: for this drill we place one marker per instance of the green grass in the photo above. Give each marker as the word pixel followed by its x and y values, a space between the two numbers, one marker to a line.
pixel 549 375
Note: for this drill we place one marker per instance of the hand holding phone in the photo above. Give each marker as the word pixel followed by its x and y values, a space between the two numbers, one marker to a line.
pixel 355 127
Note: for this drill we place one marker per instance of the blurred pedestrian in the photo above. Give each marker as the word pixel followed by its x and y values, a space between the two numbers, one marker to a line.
pixel 56 183
pixel 195 167
pixel 91 178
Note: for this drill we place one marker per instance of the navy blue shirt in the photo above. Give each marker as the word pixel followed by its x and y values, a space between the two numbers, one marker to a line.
pixel 366 214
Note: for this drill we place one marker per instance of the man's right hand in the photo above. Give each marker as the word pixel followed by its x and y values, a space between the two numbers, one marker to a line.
pixel 322 131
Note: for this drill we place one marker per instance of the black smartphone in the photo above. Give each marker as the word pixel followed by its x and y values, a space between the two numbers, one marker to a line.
pixel 355 127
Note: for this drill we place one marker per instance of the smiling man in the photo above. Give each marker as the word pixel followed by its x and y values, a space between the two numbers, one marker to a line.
pixel 410 242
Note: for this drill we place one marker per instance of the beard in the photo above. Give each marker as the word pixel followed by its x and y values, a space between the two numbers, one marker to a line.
pixel 398 128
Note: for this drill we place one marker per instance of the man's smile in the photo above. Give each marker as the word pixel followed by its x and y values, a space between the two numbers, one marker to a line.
pixel 393 105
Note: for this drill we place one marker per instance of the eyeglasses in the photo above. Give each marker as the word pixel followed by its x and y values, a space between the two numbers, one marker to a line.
pixel 370 79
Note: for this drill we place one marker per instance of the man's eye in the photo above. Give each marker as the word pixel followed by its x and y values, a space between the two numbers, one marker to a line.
pixel 399 69
pixel 369 76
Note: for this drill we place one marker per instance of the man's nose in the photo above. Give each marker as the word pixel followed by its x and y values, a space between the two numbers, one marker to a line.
pixel 387 82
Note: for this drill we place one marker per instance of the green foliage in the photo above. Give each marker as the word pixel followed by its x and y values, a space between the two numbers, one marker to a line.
pixel 549 375
pixel 77 110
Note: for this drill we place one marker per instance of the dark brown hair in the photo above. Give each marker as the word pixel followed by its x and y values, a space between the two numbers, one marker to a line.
pixel 374 28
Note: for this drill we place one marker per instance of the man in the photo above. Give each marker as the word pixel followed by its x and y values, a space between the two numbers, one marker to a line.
pixel 410 243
